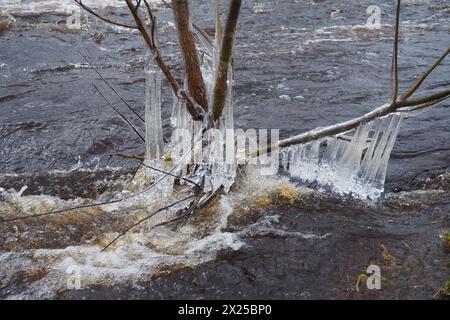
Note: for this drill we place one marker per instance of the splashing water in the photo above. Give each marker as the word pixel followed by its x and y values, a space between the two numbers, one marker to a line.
pixel 41 271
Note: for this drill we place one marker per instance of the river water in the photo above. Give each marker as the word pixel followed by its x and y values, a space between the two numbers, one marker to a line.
pixel 299 65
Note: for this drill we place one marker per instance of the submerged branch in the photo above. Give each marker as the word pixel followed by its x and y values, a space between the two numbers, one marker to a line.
pixel 141 159
pixel 218 23
pixel 143 191
pixel 145 219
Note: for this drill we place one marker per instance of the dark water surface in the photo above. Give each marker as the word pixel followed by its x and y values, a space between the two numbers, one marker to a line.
pixel 299 65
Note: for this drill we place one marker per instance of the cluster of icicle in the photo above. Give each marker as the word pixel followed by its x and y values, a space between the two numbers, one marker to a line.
pixel 178 155
pixel 354 165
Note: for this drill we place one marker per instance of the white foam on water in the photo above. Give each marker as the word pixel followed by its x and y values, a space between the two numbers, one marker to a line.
pixel 266 226
pixel 136 256
pixel 142 253
pixel 56 6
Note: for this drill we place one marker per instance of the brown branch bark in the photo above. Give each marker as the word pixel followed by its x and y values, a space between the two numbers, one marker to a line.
pixel 226 53
pixel 151 43
pixel 101 17
pixel 196 84
pixel 196 27
pixel 394 72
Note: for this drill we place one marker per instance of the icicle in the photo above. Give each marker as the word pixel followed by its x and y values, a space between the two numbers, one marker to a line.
pixel 153 133
pixel 228 117
pixel 304 161
pixel 284 158
pixel 375 162
pixel 335 148
pixel 355 167
pixel 175 110
pixel 350 161
pixel 153 124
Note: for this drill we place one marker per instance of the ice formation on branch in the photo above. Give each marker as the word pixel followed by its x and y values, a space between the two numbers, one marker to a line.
pixel 355 165
pixel 153 131
pixel 153 123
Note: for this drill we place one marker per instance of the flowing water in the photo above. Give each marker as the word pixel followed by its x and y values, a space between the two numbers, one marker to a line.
pixel 299 65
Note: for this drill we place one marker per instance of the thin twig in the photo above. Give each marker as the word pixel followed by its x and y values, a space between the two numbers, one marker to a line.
pixel 191 106
pixel 430 99
pixel 62 210
pixel 395 55
pixel 422 78
pixel 111 87
pixel 346 126
pixel 106 19
pixel 153 185
pixel 130 156
pixel 145 219
pixel 226 53
pixel 153 21
pixel 119 113
pixel 136 171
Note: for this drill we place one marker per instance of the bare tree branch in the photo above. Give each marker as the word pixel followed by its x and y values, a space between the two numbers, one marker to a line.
pixel 145 219
pixel 147 35
pixel 133 157
pixel 345 126
pixel 111 87
pixel 196 84
pixel 226 53
pixel 394 72
pixel 422 78
pixel 422 100
pixel 120 114
pixel 426 104
pixel 404 105
pixel 106 19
